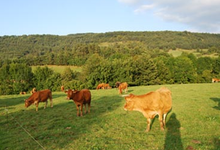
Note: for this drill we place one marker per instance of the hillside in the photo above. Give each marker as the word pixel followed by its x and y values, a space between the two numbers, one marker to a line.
pixel 75 49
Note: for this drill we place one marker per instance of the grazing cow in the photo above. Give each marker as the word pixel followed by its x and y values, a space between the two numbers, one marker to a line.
pixel 100 86
pixel 80 98
pixel 117 84
pixel 151 104
pixel 22 93
pixel 106 86
pixel 62 88
pixel 215 80
pixel 33 90
pixel 39 96
pixel 123 86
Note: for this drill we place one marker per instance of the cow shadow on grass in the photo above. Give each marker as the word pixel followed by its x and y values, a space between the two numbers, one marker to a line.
pixel 58 127
pixel 217 100
pixel 173 136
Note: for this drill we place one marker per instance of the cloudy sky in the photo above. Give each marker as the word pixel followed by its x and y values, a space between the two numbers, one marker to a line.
pixel 62 17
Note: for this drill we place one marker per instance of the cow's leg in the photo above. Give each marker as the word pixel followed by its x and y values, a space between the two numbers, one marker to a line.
pixel 89 107
pixel 148 124
pixel 45 104
pixel 81 110
pixel 161 121
pixel 85 108
pixel 164 119
pixel 36 104
pixel 77 107
pixel 51 102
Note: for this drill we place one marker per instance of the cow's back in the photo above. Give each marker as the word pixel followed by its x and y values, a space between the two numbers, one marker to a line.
pixel 165 98
pixel 86 95
pixel 44 95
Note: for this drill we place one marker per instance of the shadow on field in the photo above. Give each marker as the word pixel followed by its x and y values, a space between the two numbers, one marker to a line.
pixel 8 102
pixel 57 127
pixel 216 142
pixel 217 100
pixel 173 137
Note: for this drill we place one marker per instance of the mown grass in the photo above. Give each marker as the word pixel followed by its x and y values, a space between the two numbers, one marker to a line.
pixel 194 122
pixel 59 69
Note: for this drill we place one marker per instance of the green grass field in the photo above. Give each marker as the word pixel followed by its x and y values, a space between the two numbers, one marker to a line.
pixel 59 69
pixel 193 123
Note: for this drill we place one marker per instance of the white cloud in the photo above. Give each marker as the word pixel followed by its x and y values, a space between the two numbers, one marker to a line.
pixel 200 15
pixel 143 8
pixel 129 1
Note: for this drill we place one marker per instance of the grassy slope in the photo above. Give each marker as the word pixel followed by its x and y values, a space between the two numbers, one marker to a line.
pixel 193 122
pixel 59 69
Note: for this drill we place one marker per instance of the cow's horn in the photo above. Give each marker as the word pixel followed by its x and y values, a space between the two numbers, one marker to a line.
pixel 124 95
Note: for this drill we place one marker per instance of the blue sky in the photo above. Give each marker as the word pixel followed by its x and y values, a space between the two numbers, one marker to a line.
pixel 62 17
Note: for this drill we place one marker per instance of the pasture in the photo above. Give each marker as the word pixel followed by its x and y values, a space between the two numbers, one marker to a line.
pixel 59 69
pixel 193 123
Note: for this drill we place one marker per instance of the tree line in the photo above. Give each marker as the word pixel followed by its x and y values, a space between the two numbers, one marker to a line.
pixel 137 69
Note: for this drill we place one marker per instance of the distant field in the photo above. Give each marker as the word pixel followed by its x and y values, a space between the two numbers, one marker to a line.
pixel 178 52
pixel 60 69
pixel 193 123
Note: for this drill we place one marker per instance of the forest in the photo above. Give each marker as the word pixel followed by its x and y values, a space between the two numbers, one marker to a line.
pixel 139 58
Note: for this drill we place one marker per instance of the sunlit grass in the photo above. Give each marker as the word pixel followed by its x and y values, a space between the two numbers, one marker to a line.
pixel 193 122
pixel 59 69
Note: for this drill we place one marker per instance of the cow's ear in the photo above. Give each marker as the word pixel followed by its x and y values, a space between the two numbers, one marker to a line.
pixel 131 95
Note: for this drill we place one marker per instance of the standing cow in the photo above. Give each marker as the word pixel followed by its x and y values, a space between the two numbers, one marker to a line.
pixel 151 104
pixel 122 86
pixel 39 96
pixel 80 98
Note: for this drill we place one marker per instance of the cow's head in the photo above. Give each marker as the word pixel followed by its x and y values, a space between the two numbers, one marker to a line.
pixel 117 84
pixel 27 103
pixel 129 105
pixel 70 93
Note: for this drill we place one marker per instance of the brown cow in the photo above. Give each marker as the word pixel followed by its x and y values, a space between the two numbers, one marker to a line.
pixel 39 96
pixel 22 93
pixel 62 88
pixel 33 90
pixel 123 86
pixel 215 80
pixel 99 86
pixel 106 86
pixel 80 98
pixel 151 104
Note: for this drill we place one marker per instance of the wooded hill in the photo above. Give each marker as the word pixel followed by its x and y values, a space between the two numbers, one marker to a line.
pixel 139 58
pixel 75 49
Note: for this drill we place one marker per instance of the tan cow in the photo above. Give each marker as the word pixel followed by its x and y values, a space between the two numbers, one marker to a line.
pixel 62 88
pixel 215 80
pixel 39 96
pixel 123 86
pixel 22 93
pixel 151 104
pixel 100 86
pixel 33 90
pixel 106 86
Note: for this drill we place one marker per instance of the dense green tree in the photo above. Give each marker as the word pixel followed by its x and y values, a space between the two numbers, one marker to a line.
pixel 15 78
pixel 41 75
pixel 183 70
pixel 204 63
pixel 216 66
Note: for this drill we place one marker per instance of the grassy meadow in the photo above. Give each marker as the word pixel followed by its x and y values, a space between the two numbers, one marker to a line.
pixel 193 123
pixel 59 69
